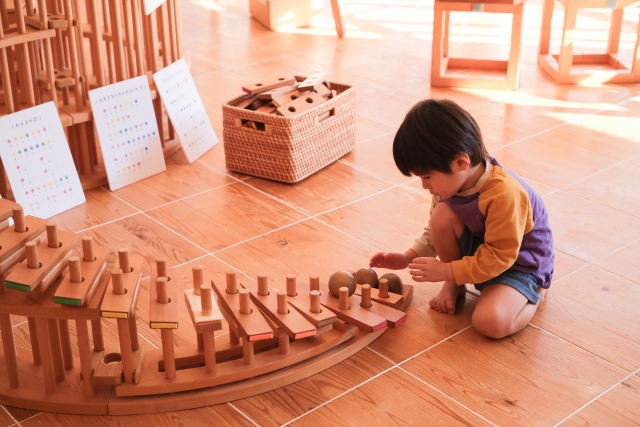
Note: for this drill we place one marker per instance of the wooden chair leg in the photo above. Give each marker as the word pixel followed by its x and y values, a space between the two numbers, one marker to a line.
pixel 545 28
pixel 338 16
pixel 565 59
pixel 513 66
pixel 614 31
pixel 635 62
pixel 445 41
pixel 437 49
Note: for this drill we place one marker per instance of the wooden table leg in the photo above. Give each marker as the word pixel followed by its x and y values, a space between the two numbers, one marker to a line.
pixel 84 346
pixel 8 343
pixel 42 331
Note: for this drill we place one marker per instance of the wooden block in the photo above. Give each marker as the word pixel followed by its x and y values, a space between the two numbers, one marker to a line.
pixel 266 109
pixel 304 103
pixel 256 88
pixel 107 366
pixel 6 209
pixel 394 317
pixel 393 301
pixel 323 91
pixel 355 315
pixel 252 326
pixel 302 303
pixel 28 279
pixel 12 241
pixel 164 316
pixel 286 98
pixel 71 293
pixel 277 92
pixel 122 306
pixel 312 82
pixel 247 102
pixel 202 322
pixel 293 323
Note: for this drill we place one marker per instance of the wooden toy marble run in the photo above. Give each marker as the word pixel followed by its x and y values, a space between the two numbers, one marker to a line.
pixel 275 336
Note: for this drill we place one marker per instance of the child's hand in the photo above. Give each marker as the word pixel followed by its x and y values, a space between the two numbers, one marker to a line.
pixel 425 269
pixel 390 260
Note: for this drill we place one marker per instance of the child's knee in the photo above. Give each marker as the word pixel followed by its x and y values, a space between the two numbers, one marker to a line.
pixel 492 322
pixel 444 219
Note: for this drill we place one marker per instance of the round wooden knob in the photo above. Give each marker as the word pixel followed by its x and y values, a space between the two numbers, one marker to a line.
pixel 123 260
pixel 341 279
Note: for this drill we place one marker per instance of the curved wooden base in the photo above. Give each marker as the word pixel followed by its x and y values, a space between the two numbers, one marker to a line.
pixel 69 397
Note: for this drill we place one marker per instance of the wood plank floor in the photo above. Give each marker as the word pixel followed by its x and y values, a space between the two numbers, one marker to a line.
pixel 577 364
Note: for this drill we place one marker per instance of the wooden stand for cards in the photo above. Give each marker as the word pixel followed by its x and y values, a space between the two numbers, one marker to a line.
pixel 276 336
pixel 59 50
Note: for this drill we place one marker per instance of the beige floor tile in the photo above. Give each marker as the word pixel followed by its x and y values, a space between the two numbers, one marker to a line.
pixel 529 364
pixel 376 157
pixel 204 219
pixel 367 130
pixel 395 398
pixel 280 406
pixel 588 230
pixel 329 188
pixel 595 310
pixel 566 264
pixel 617 407
pixel 623 262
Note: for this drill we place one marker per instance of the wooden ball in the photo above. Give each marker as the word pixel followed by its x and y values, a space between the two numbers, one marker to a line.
pixel 340 279
pixel 395 284
pixel 367 276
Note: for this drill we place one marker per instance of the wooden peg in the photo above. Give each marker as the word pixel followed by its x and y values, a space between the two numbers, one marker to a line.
pixel 33 261
pixel 206 299
pixel 116 281
pixel 282 302
pixel 232 287
pixel 161 289
pixel 161 267
pixel 314 283
pixel 18 219
pixel 198 278
pixel 314 301
pixel 291 285
pixel 383 288
pixel 366 296
pixel 75 271
pixel 52 235
pixel 311 82
pixel 256 88
pixel 123 260
pixel 263 287
pixel 244 301
pixel 87 249
pixel 343 302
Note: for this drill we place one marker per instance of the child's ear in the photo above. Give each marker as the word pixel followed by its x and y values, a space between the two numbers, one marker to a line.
pixel 462 162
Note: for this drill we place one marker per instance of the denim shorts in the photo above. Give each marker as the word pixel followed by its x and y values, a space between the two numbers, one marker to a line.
pixel 525 283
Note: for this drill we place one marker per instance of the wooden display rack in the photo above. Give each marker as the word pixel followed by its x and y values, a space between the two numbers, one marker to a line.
pixel 559 66
pixel 276 337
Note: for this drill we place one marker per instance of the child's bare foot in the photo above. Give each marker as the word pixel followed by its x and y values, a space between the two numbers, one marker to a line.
pixel 543 293
pixel 445 301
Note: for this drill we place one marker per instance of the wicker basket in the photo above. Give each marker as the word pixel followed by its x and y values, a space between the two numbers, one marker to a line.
pixel 289 149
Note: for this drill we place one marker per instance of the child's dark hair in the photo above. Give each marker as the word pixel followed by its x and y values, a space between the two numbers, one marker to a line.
pixel 432 134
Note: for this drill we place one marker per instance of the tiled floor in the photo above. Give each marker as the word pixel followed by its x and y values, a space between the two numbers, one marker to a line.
pixel 577 364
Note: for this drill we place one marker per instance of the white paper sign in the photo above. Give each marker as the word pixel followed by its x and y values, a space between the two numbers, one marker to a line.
pixel 186 110
pixel 36 156
pixel 151 5
pixel 128 131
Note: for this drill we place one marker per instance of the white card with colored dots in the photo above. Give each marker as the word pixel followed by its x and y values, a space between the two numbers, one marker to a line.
pixel 186 110
pixel 128 131
pixel 39 165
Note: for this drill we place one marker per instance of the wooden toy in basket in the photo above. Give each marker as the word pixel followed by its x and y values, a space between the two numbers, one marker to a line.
pixel 285 145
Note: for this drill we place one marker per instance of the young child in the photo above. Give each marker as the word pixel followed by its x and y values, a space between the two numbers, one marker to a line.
pixel 487 226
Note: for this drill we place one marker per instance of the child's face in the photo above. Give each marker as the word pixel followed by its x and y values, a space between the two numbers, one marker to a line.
pixel 445 185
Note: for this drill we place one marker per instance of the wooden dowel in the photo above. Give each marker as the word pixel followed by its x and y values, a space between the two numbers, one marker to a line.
pixel 33 335
pixel 116 281
pixel 282 302
pixel 33 261
pixel 263 287
pixel 164 29
pixel 206 299
pixel 232 287
pixel 65 340
pixel 52 235
pixel 125 350
pixel 133 332
pixel 209 352
pixel 179 27
pixel 233 338
pixel 123 260
pixel 137 34
pixel 314 298
pixel 56 349
pixel 75 270
pixel 9 347
pixel 314 283
pixel 366 296
pixel 172 30
pixel 248 352
pixel 284 344
pixel 383 288
pixel 97 50
pixel 84 348
pixel 98 338
pixel 128 27
pixel 245 308
pixel 168 354
pixel 116 36
pixel 343 302
pixel 48 373
pixel 161 290
pixel 161 267
pixel 198 278
pixel 291 285
pixel 18 219
pixel 87 249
